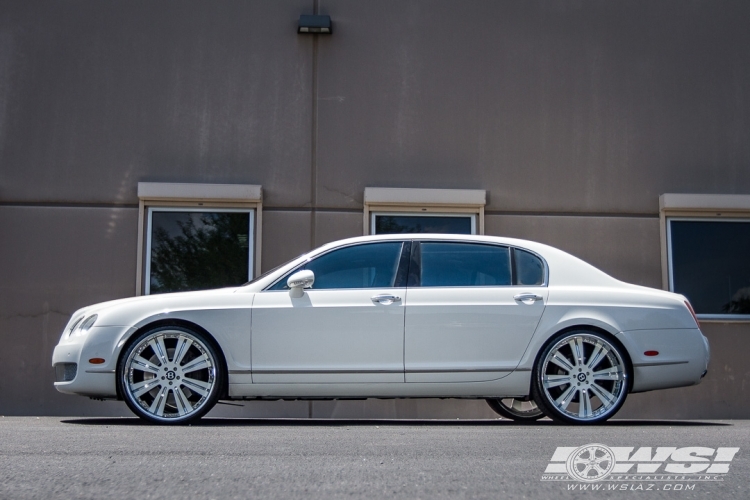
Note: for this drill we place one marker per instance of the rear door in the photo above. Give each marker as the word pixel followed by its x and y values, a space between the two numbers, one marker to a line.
pixel 465 319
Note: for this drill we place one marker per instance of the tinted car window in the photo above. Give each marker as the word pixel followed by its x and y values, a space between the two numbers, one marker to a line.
pixel 464 264
pixel 372 265
pixel 529 268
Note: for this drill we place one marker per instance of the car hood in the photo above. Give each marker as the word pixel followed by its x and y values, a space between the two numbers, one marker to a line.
pixel 122 312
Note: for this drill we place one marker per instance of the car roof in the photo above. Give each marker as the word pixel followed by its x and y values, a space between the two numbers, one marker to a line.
pixel 563 268
pixel 437 236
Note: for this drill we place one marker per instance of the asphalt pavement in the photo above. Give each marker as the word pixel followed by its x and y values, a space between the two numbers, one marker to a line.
pixel 90 458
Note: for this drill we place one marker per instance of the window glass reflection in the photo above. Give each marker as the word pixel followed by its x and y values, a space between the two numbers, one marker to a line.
pixel 372 265
pixel 529 268
pixel 464 264
pixel 361 266
pixel 710 264
pixel 198 250
pixel 398 224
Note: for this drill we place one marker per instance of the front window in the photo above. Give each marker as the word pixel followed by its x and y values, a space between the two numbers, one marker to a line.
pixel 372 265
pixel 709 264
pixel 198 249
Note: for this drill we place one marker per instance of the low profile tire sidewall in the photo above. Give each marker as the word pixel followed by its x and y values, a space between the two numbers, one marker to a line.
pixel 208 404
pixel 539 394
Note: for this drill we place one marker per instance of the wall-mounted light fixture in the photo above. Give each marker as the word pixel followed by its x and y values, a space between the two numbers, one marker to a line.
pixel 315 24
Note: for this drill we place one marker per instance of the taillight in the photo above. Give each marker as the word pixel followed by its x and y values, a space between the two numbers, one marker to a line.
pixel 690 308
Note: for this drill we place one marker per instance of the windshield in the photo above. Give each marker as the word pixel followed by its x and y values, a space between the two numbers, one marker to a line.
pixel 258 278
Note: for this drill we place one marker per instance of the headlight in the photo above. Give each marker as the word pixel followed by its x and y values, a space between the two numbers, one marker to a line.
pixel 74 325
pixel 81 327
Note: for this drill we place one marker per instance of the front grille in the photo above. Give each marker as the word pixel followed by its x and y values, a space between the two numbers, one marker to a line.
pixel 65 372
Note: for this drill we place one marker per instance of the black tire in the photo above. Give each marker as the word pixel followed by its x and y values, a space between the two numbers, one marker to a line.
pixel 170 375
pixel 516 409
pixel 585 386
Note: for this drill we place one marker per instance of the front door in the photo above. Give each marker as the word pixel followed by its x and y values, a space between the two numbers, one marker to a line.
pixel 348 328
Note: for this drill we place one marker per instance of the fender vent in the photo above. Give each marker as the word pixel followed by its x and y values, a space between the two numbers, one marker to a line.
pixel 65 372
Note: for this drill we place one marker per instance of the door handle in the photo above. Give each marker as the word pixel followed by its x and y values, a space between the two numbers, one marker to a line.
pixel 385 299
pixel 527 297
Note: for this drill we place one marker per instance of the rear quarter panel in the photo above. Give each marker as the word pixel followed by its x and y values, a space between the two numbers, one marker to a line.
pixel 614 309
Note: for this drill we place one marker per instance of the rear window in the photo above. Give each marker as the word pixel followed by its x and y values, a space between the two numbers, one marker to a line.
pixel 529 268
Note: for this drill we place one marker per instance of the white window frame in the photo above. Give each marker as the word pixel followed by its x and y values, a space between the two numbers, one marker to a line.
pixel 423 213
pixel 183 197
pixel 701 208
pixel 426 202
pixel 157 208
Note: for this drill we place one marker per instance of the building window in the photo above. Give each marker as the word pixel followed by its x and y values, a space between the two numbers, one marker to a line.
pixel 198 249
pixel 709 264
pixel 197 236
pixel 400 222
pixel 400 211
pixel 707 243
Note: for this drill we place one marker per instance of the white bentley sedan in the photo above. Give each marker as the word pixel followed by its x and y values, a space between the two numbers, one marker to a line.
pixel 531 329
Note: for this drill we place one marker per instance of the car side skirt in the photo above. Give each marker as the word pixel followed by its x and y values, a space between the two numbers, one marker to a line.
pixel 515 384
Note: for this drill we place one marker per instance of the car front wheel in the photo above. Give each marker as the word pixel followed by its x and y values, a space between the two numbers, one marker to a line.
pixel 581 377
pixel 170 375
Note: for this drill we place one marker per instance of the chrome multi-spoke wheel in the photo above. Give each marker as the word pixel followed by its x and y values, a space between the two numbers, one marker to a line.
pixel 170 375
pixel 516 409
pixel 581 377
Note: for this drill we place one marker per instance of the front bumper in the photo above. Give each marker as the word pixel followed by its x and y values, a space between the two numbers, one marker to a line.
pixel 95 380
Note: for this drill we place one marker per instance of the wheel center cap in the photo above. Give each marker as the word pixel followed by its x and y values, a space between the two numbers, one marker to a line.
pixel 582 377
pixel 170 375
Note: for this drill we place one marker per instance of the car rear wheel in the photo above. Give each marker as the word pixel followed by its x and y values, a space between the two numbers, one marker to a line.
pixel 516 409
pixel 170 375
pixel 581 377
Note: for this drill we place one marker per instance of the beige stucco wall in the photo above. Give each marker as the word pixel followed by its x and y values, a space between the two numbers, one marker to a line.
pixel 573 116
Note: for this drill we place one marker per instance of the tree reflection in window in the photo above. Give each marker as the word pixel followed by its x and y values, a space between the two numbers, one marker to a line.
pixel 404 224
pixel 739 304
pixel 710 265
pixel 198 250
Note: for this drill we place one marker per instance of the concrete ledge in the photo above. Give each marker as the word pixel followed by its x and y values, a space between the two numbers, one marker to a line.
pixel 672 202
pixel 408 196
pixel 205 192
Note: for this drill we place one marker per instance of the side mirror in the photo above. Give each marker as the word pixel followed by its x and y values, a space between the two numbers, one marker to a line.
pixel 298 281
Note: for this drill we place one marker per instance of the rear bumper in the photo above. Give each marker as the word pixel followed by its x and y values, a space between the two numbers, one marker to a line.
pixel 682 360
